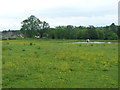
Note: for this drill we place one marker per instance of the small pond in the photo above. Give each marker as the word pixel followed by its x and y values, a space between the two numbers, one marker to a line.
pixel 92 42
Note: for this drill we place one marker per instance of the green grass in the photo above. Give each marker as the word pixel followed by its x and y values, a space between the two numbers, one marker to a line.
pixel 59 64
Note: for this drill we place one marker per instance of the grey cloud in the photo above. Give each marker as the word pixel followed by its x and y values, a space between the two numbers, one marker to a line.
pixel 76 12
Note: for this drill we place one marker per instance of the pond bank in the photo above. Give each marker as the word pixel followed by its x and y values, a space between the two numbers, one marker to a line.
pixel 92 42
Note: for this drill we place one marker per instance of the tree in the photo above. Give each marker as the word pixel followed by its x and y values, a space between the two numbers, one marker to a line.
pixel 112 36
pixel 33 26
pixel 92 32
pixel 30 26
pixel 69 29
pixel 85 34
pixel 113 28
pixel 43 29
pixel 118 31
pixel 101 34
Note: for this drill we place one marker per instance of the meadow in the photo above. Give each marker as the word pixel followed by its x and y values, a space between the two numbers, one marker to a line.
pixel 59 64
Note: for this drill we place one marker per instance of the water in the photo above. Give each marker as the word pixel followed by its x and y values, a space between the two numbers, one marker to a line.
pixel 92 42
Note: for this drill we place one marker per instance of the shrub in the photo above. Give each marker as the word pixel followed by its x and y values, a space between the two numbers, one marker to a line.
pixel 31 43
pixel 23 50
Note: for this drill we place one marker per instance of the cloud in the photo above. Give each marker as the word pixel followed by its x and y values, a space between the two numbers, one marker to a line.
pixel 84 21
pixel 76 21
pixel 58 12
pixel 75 12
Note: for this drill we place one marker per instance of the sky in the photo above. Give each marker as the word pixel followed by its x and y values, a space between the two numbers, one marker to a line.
pixel 58 12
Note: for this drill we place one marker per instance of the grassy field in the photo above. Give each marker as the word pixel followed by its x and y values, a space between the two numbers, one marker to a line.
pixel 59 64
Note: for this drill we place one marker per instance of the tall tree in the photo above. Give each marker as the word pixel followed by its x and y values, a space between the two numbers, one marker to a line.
pixel 30 26
pixel 92 32
pixel 43 29
pixel 69 29
pixel 101 34
pixel 118 31
pixel 33 26
pixel 113 28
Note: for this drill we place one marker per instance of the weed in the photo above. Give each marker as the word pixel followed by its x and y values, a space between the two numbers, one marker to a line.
pixel 79 45
pixel 23 50
pixel 31 44
pixel 10 49
pixel 35 52
pixel 91 44
pixel 39 48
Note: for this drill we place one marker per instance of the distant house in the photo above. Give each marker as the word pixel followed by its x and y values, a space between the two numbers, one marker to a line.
pixel 11 34
pixel 0 34
pixel 8 34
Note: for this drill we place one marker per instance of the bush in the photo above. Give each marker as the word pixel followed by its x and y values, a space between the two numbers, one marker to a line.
pixel 9 38
pixel 4 38
pixel 31 43
pixel 12 38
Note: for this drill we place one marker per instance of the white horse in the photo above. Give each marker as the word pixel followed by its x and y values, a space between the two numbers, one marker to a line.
pixel 37 37
pixel 87 40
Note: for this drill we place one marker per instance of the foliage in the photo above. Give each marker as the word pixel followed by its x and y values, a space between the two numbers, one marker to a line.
pixel 91 32
pixel 33 26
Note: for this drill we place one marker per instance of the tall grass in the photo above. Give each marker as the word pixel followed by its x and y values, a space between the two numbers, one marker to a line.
pixel 59 64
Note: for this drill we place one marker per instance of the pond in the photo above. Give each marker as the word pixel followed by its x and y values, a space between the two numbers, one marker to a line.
pixel 92 42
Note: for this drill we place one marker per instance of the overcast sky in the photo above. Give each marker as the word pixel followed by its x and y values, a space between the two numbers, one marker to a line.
pixel 58 12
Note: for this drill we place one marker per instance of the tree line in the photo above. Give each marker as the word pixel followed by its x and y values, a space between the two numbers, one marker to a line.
pixel 32 27
pixel 72 32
